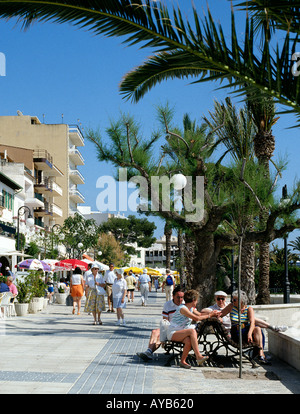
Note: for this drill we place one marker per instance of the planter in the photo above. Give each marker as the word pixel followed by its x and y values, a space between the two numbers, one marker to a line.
pixel 21 308
pixel 60 298
pixel 34 307
pixel 38 303
pixel 46 300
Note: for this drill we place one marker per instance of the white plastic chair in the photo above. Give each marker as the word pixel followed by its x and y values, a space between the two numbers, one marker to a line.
pixel 6 305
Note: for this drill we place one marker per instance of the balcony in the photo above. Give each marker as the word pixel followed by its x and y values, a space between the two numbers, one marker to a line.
pixel 41 186
pixel 55 210
pixel 43 211
pixel 55 189
pixel 76 136
pixel 43 160
pixel 49 209
pixel 76 177
pixel 76 196
pixel 76 156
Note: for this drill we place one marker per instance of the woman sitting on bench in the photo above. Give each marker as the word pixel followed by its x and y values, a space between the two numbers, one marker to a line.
pixel 180 329
pixel 251 333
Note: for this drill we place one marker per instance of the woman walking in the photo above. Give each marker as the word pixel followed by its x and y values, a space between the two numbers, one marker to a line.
pixel 76 289
pixel 119 291
pixel 95 301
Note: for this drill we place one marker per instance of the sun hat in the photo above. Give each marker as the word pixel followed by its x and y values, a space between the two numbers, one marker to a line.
pixel 95 266
pixel 145 271
pixel 220 293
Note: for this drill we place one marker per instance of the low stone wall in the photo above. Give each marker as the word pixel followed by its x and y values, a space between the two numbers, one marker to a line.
pixel 282 314
pixel 276 299
pixel 286 346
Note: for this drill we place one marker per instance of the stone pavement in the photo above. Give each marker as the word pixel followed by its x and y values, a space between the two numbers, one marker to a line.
pixel 60 353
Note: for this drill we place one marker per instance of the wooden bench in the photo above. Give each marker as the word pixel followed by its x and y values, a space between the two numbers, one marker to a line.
pixel 212 338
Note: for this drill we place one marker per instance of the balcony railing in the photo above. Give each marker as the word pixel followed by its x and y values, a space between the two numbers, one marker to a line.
pixel 76 135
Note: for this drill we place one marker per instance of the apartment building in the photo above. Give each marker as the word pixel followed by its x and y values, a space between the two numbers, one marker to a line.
pixel 155 256
pixel 53 165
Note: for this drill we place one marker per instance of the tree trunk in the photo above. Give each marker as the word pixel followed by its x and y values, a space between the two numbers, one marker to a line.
pixel 205 266
pixel 189 255
pixel 248 270
pixel 263 297
pixel 181 258
pixel 168 235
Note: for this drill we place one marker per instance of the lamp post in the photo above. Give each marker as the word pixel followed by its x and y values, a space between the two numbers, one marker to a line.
pixel 79 246
pixel 30 221
pixel 56 226
pixel 286 291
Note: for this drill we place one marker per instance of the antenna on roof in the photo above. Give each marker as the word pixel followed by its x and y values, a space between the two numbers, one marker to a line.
pixel 19 113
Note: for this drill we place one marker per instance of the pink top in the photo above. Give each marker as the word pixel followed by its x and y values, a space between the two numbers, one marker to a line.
pixel 13 289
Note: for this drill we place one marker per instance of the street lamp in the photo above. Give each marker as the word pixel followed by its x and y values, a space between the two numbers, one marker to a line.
pixel 286 291
pixel 56 226
pixel 30 221
pixel 80 246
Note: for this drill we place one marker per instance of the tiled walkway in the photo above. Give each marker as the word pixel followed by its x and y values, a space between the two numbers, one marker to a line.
pixel 57 352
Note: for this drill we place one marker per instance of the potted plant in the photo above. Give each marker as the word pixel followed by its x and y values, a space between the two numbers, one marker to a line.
pixel 38 290
pixel 23 298
pixel 61 296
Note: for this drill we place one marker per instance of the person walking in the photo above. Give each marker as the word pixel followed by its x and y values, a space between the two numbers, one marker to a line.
pixel 95 302
pixel 119 292
pixel 169 284
pixel 109 278
pixel 144 285
pixel 130 280
pixel 76 289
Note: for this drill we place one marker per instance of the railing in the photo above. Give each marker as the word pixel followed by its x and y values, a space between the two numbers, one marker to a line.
pixel 74 129
pixel 42 154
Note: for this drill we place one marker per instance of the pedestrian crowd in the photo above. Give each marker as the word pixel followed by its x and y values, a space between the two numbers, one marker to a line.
pixel 115 284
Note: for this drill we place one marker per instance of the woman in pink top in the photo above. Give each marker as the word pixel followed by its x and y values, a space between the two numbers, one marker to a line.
pixel 12 287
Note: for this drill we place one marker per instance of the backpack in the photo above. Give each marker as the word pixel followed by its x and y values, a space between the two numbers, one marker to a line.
pixel 169 280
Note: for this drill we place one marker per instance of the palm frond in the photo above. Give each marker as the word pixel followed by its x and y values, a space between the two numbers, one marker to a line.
pixel 277 14
pixel 200 45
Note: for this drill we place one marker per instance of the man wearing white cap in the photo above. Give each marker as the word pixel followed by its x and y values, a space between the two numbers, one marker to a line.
pixel 144 285
pixel 220 298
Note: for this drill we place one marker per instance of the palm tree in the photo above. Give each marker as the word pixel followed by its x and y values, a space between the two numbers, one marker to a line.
pixel 182 48
pixel 236 131
pixel 295 244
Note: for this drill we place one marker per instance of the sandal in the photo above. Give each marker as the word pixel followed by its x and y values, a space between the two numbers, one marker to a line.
pixel 186 366
pixel 200 361
pixel 100 322
pixel 263 360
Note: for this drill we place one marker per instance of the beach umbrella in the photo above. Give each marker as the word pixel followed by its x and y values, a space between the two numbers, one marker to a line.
pixel 34 264
pixel 133 269
pixel 56 266
pixel 153 272
pixel 71 264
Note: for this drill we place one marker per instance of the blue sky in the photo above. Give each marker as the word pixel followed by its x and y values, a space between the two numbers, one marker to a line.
pixel 58 69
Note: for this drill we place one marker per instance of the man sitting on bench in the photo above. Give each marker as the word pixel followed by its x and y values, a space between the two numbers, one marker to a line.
pixel 167 314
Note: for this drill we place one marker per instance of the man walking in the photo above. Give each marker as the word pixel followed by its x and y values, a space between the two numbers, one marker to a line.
pixel 144 285
pixel 109 278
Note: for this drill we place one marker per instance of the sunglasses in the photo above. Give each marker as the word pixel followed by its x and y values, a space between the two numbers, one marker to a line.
pixel 220 298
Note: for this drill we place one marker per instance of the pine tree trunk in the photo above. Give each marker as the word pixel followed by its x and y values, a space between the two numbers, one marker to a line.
pixel 263 297
pixel 168 235
pixel 205 267
pixel 248 270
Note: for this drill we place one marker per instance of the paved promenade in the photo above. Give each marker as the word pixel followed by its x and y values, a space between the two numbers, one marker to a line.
pixel 60 353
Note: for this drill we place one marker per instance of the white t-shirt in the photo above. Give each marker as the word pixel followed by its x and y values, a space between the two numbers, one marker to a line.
pixel 109 276
pixel 76 279
pixel 226 319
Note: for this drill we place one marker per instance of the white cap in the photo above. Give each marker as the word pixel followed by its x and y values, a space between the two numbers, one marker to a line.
pixel 220 293
pixel 95 266
pixel 145 271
